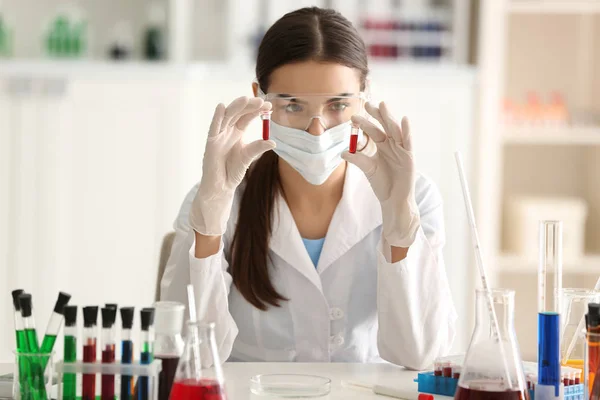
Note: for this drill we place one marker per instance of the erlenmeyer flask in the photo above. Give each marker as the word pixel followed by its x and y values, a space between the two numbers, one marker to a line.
pixel 492 368
pixel 199 375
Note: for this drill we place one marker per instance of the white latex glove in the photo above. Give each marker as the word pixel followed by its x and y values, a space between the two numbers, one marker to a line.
pixel 226 160
pixel 391 172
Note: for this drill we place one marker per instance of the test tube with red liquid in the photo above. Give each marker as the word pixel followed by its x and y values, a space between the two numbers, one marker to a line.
pixel 266 123
pixel 109 315
pixel 90 317
pixel 437 368
pixel 447 370
pixel 353 138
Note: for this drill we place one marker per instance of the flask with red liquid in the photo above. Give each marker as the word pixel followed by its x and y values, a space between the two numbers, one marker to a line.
pixel 168 343
pixel 493 368
pixel 200 356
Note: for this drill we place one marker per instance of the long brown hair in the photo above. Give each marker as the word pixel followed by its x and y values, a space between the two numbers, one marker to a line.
pixel 306 34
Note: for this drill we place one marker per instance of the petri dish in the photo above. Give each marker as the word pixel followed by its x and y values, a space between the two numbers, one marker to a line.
pixel 290 385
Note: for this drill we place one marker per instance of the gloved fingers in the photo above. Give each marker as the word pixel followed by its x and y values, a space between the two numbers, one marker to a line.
pixel 254 104
pixel 252 151
pixel 233 109
pixel 375 112
pixel 406 135
pixel 369 128
pixel 245 120
pixel 367 164
pixel 215 125
pixel 391 125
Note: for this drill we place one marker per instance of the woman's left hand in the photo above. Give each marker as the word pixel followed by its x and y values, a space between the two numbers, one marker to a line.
pixel 391 172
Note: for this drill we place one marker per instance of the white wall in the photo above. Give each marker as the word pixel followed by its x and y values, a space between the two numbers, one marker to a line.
pixel 94 164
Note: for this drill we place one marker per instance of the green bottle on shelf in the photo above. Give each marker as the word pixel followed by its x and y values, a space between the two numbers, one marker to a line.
pixel 3 38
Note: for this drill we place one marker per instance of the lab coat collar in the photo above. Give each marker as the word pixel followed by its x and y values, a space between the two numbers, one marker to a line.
pixel 356 215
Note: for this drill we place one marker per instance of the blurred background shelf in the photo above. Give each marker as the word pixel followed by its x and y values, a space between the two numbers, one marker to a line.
pixel 569 135
pixel 553 6
pixel 514 263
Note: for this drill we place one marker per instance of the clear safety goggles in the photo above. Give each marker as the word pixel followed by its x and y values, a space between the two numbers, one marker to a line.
pixel 299 111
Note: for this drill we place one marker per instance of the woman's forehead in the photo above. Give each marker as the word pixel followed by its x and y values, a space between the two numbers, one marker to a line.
pixel 311 77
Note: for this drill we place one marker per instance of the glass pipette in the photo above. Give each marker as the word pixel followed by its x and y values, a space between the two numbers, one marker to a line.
pixel 479 261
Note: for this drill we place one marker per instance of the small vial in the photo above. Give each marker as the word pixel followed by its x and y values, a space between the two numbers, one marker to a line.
pixel 565 379
pixel 437 371
pixel 571 378
pixel 266 123
pixel 456 372
pixel 447 370
pixel 353 138
pixel 577 378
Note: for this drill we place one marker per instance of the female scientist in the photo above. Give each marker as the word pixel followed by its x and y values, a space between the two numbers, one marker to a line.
pixel 297 249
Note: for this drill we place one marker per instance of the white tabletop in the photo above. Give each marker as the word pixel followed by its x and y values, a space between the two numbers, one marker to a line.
pixel 237 377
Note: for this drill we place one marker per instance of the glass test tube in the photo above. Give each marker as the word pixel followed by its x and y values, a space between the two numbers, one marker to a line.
pixel 90 318
pixel 549 306
pixel 126 351
pixel 55 323
pixel 592 354
pixel 70 352
pixel 108 351
pixel 21 340
pixel 265 116
pixel 36 371
pixel 353 138
pixel 147 354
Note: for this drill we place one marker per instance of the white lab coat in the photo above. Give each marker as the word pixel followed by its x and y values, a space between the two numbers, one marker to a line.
pixel 354 306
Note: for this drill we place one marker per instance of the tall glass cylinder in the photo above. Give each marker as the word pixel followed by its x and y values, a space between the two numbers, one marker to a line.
pixel 549 308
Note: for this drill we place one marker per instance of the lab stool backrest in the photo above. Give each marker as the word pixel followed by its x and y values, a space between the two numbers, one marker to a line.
pixel 165 252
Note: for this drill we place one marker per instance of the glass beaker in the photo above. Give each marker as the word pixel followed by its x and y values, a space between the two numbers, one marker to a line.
pixel 168 343
pixel 492 368
pixel 199 375
pixel 574 307
pixel 33 376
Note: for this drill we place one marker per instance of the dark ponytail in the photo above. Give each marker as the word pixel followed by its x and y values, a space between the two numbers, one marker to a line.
pixel 302 35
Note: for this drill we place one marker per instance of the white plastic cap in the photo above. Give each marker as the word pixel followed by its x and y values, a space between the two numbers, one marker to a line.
pixel 168 317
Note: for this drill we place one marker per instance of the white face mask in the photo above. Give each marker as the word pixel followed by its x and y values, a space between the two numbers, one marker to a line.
pixel 314 157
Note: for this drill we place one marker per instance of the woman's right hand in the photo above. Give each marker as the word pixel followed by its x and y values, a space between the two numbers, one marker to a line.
pixel 226 160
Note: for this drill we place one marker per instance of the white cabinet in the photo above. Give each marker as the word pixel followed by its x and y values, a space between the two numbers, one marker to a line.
pixel 90 181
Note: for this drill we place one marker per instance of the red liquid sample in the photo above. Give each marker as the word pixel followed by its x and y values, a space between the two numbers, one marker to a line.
pixel 472 394
pixel 353 143
pixel 266 128
pixel 571 381
pixel 456 375
pixel 88 391
pixel 577 380
pixel 167 375
pixel 190 389
pixel 566 381
pixel 437 372
pixel 447 372
pixel 108 381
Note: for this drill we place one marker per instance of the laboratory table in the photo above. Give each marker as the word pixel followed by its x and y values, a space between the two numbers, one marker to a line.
pixel 237 376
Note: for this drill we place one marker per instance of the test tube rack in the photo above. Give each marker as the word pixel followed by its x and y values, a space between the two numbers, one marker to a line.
pixel 428 382
pixel 134 369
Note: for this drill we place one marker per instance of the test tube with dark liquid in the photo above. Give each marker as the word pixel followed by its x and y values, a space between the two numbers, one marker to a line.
pixel 168 344
pixel 147 354
pixel 108 351
pixel 126 351
pixel 90 318
pixel 265 116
